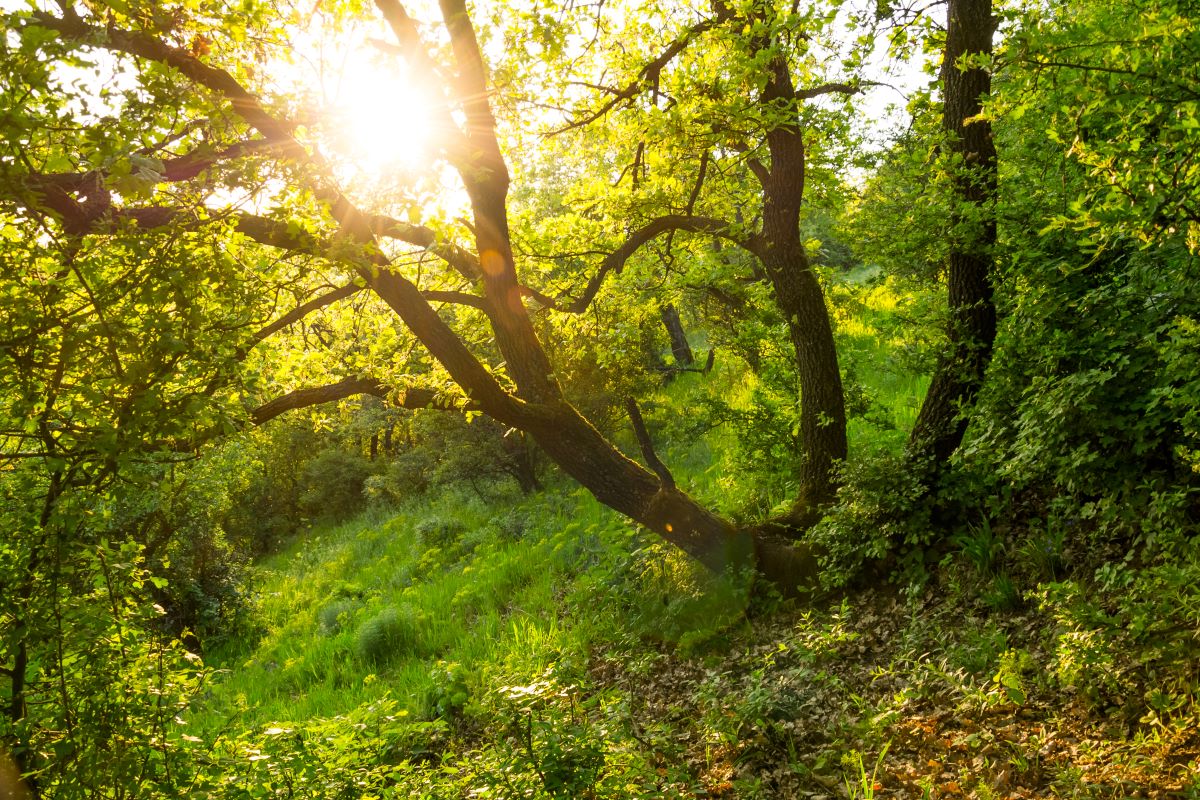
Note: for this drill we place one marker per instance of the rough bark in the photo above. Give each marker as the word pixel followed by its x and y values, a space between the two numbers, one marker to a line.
pixel 942 421
pixel 802 301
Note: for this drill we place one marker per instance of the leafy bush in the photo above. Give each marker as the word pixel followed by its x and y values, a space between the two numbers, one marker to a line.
pixel 882 509
pixel 332 484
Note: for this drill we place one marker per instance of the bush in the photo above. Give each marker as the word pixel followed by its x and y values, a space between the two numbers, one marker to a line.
pixel 389 634
pixel 332 485
pixel 334 616
pixel 439 531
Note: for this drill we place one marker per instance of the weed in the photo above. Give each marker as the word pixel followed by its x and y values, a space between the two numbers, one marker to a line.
pixel 858 783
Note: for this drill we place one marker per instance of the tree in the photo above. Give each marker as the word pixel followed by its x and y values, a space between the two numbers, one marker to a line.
pixel 971 328
pixel 217 125
pixel 720 97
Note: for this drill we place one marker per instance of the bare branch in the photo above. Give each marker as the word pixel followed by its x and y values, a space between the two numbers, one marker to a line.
pixel 833 88
pixel 647 76
pixel 457 298
pixel 303 398
pixel 615 261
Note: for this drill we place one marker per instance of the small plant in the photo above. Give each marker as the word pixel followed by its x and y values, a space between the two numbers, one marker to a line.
pixel 858 783
pixel 550 739
pixel 1009 684
pixel 449 693
pixel 333 617
pixel 1002 594
pixel 981 547
pixel 1043 551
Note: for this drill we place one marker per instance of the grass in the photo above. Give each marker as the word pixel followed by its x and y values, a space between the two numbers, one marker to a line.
pixel 352 613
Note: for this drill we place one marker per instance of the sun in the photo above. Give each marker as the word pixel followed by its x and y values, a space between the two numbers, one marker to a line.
pixel 378 117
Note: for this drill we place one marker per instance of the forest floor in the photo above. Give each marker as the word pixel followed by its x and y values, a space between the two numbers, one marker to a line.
pixel 551 651
pixel 887 696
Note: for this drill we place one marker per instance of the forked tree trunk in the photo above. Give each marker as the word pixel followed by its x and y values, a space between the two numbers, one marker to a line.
pixel 942 421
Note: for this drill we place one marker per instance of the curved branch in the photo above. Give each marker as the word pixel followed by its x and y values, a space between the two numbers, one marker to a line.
pixel 616 260
pixel 412 398
pixel 145 46
pixel 316 395
pixel 462 260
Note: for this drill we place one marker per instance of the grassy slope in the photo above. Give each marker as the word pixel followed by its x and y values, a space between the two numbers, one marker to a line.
pixel 559 653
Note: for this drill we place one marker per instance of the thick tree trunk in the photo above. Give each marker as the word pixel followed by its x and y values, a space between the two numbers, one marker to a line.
pixel 802 301
pixel 822 403
pixel 942 421
pixel 679 343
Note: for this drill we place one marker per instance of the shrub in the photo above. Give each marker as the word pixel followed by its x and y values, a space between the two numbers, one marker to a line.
pixel 389 634
pixel 439 531
pixel 334 616
pixel 333 485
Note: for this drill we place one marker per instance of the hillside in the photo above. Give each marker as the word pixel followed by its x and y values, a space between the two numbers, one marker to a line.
pixel 533 648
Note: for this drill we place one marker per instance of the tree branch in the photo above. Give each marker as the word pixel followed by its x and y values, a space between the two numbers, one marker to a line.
pixel 648 74
pixel 175 170
pixel 457 298
pixel 301 311
pixel 833 88
pixel 412 398
pixel 643 436
pixel 616 260
pixel 404 28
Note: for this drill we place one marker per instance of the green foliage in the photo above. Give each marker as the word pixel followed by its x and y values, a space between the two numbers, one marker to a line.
pixel 331 485
pixel 105 686
pixel 882 508
pixel 1125 635
pixel 365 751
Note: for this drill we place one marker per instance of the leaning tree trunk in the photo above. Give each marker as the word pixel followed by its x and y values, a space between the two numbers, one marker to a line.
pixel 679 343
pixel 942 421
pixel 538 406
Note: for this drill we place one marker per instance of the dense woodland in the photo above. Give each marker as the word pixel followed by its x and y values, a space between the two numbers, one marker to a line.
pixel 735 398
